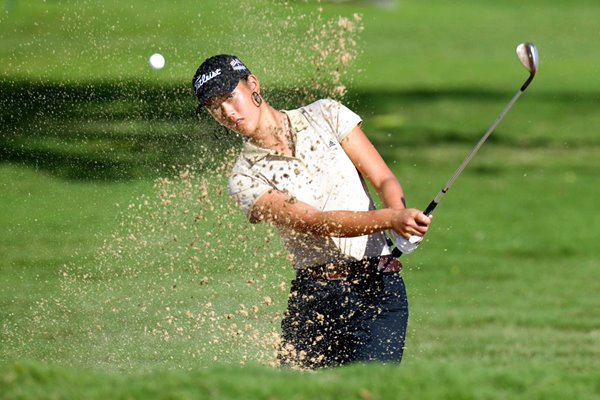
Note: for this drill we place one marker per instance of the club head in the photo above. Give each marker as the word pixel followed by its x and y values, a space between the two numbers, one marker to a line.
pixel 528 55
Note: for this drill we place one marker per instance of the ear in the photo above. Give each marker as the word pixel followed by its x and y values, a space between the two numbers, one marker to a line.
pixel 253 83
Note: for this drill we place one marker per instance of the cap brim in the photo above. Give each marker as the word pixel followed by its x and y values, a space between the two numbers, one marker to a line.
pixel 220 87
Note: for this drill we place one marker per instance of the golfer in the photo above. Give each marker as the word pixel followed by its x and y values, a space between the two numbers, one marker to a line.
pixel 304 171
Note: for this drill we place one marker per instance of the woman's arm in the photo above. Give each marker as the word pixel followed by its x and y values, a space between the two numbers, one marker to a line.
pixel 372 166
pixel 281 209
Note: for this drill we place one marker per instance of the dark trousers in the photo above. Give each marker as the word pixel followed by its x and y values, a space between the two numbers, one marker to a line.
pixel 334 322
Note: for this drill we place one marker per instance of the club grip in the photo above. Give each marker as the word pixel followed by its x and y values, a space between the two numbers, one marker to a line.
pixel 430 207
pixel 396 252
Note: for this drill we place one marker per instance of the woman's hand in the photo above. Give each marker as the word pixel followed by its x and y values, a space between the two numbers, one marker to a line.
pixel 410 221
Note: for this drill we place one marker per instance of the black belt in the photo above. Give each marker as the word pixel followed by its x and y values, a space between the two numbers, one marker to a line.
pixel 345 270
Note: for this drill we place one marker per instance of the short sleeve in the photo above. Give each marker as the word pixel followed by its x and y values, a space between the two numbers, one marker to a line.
pixel 342 120
pixel 245 190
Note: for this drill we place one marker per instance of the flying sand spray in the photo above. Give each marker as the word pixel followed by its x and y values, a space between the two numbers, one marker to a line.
pixel 183 280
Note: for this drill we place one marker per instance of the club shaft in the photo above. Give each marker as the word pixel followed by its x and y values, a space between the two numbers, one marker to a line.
pixel 433 204
pixel 473 151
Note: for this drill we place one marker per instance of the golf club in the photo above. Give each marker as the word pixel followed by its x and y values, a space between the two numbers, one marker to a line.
pixel 528 55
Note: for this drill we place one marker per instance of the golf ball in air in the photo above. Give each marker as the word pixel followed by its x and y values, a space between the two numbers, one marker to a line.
pixel 157 61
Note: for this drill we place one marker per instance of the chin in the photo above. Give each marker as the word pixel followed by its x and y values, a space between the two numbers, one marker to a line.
pixel 242 130
pixel 235 128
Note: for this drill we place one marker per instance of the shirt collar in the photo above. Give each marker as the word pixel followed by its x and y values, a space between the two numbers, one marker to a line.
pixel 297 119
pixel 253 153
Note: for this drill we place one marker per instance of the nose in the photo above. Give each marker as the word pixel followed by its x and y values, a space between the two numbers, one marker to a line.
pixel 227 113
pixel 227 110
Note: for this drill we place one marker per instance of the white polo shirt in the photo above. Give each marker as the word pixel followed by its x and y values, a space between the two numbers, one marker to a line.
pixel 319 174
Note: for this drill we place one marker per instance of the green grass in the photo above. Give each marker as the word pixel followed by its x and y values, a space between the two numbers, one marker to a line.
pixel 412 45
pixel 506 307
pixel 436 380
pixel 116 284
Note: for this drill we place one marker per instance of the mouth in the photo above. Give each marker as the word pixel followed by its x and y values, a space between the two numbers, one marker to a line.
pixel 236 124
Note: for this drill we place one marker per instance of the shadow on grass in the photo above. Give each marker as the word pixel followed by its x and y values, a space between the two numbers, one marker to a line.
pixel 123 130
pixel 118 130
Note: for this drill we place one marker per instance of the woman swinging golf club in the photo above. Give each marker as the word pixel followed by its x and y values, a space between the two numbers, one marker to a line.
pixel 302 171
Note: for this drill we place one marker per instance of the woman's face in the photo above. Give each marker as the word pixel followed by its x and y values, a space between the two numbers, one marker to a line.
pixel 235 110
